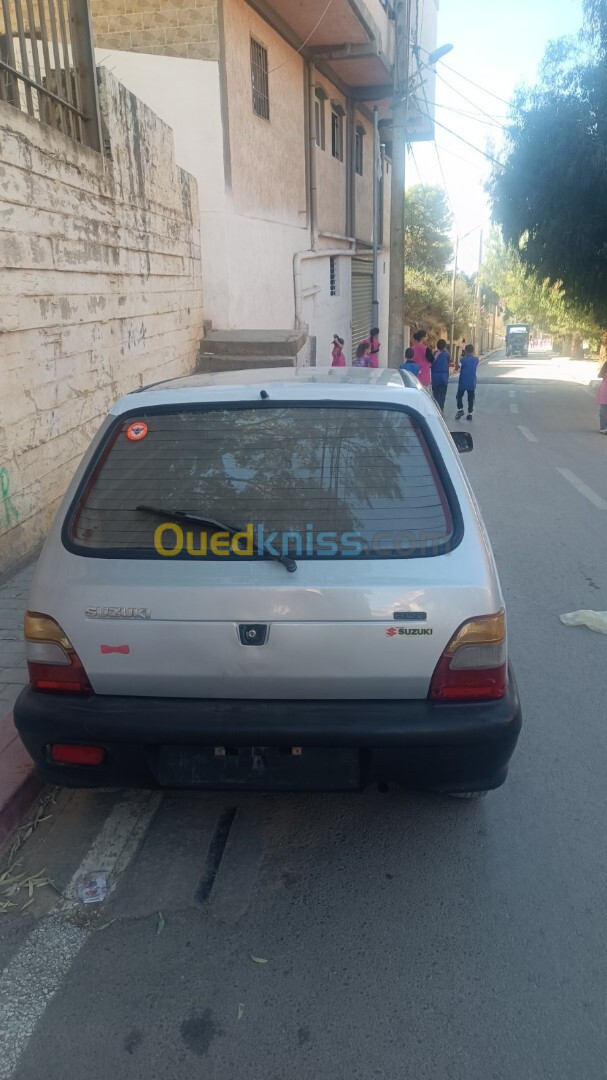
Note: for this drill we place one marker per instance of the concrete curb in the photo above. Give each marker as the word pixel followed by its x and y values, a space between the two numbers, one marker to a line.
pixel 19 785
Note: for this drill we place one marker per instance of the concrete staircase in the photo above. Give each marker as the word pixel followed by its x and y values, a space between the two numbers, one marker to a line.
pixel 235 350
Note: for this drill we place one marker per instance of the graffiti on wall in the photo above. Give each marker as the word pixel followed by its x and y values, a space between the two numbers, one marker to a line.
pixel 8 513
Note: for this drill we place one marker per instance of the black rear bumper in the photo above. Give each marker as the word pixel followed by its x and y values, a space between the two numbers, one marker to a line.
pixel 180 742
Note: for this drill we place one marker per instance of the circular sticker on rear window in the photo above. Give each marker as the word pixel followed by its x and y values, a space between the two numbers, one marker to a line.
pixel 137 431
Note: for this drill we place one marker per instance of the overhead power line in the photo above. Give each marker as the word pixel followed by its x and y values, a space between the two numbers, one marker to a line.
pixel 460 157
pixel 449 199
pixel 478 86
pixel 419 175
pixel 440 164
pixel 454 90
pixel 466 79
pixel 471 145
pixel 468 116
pixel 304 43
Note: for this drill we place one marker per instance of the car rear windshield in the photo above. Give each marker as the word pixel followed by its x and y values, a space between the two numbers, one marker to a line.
pixel 308 482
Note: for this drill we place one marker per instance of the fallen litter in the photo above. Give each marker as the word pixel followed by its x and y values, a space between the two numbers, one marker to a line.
pixel 258 959
pixel 92 888
pixel 12 883
pixel 240 1011
pixel 26 830
pixel 161 923
pixel 594 620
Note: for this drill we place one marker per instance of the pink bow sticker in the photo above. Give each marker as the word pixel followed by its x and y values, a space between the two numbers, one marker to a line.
pixel 115 648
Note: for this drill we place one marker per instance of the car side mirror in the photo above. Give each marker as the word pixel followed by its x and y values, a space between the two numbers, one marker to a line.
pixel 463 441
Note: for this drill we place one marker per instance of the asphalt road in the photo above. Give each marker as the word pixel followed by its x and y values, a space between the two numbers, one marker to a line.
pixel 406 936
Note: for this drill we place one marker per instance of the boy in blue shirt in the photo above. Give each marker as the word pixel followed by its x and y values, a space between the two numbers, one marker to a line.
pixel 440 374
pixel 409 364
pixel 467 382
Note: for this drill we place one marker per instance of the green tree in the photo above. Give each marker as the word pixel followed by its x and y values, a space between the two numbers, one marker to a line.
pixel 428 303
pixel 428 252
pixel 428 222
pixel 549 197
pixel 531 299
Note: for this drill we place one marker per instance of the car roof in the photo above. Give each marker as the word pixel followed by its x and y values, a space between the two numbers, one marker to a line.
pixel 293 383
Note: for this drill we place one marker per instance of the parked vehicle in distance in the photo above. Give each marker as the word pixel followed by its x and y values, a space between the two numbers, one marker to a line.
pixel 517 339
pixel 277 580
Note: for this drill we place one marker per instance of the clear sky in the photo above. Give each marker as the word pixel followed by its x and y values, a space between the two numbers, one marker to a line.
pixel 498 45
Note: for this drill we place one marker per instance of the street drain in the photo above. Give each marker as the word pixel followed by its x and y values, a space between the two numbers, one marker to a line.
pixel 215 853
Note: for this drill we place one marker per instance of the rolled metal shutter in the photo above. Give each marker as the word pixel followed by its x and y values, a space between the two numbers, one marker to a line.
pixel 362 293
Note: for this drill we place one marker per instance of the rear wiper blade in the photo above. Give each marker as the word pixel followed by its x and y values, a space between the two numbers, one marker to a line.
pixel 200 519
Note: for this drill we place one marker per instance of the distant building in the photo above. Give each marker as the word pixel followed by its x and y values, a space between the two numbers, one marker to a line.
pixel 271 103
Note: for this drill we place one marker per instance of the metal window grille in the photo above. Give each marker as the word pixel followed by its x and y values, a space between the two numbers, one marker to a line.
pixel 333 278
pixel 259 80
pixel 360 134
pixel 337 136
pixel 47 65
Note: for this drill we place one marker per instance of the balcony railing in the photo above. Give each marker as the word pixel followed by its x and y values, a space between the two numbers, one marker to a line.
pixel 47 66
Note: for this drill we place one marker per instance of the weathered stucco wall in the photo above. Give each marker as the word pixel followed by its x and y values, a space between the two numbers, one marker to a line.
pixel 268 175
pixel 100 292
pixel 186 95
pixel 187 28
pixel 363 186
pixel 330 172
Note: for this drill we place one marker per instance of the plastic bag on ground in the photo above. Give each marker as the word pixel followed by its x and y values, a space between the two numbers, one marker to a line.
pixel 594 620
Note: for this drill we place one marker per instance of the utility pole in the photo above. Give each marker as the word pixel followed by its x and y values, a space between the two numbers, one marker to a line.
pixel 396 322
pixel 452 342
pixel 478 323
pixel 458 239
pixel 376 177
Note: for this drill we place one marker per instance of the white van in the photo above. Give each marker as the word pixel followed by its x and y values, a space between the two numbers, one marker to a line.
pixel 276 579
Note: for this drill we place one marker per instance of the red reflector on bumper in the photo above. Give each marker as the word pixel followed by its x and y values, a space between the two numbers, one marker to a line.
pixel 76 755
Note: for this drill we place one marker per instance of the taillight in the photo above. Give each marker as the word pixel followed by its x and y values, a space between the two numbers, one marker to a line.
pixel 474 666
pixel 52 661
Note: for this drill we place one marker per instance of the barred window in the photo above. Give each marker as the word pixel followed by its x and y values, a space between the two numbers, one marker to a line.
pixel 360 134
pixel 259 80
pixel 333 278
pixel 319 117
pixel 337 135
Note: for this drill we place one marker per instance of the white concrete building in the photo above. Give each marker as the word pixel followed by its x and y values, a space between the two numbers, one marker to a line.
pixel 272 104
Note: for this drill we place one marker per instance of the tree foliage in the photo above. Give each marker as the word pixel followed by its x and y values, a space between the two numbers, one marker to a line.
pixel 428 252
pixel 428 303
pixel 550 196
pixel 428 222
pixel 529 299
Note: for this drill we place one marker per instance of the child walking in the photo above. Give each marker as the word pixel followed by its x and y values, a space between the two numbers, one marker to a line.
pixel 601 399
pixel 339 359
pixel 440 374
pixel 423 356
pixel 362 358
pixel 467 382
pixel 375 346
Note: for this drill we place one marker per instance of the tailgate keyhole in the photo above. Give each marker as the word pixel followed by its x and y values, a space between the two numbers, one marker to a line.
pixel 253 633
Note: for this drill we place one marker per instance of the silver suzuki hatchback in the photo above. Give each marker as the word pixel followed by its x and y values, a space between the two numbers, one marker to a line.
pixel 274 580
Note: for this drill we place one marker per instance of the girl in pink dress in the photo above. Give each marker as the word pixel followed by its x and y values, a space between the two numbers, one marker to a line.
pixel 339 359
pixel 375 346
pixel 423 356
